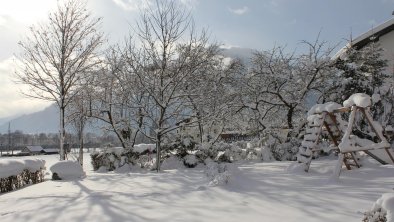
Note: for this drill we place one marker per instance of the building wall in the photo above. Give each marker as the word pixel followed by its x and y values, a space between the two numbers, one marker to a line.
pixel 387 43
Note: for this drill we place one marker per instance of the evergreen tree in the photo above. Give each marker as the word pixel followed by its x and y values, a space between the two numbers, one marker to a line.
pixel 361 71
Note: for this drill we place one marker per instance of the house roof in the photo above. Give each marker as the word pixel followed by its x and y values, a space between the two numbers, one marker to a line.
pixel 371 35
pixel 51 150
pixel 34 148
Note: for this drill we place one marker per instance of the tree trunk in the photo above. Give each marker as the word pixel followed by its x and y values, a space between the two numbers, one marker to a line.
pixel 290 117
pixel 80 158
pixel 158 152
pixel 61 139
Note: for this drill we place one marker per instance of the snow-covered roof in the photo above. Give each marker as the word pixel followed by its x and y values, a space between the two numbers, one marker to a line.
pixel 34 148
pixel 371 35
pixel 51 150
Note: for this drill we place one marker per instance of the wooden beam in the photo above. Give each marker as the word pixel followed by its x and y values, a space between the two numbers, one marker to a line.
pixel 375 157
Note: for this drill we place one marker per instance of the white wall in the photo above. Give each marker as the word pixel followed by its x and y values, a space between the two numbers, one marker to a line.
pixel 387 43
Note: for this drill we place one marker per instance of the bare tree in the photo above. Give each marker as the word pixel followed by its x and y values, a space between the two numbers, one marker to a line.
pixel 57 54
pixel 167 55
pixel 78 114
pixel 113 97
pixel 278 84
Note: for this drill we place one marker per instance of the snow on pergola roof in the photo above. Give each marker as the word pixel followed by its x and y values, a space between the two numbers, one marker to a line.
pixel 371 35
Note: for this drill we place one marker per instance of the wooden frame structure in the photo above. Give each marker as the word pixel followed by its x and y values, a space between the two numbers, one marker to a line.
pixel 329 122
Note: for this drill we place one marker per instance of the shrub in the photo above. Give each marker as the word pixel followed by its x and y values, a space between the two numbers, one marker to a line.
pixel 15 174
pixel 113 158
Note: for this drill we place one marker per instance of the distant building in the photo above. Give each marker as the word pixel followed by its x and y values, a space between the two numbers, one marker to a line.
pixel 233 136
pixel 48 151
pixel 37 150
pixel 32 150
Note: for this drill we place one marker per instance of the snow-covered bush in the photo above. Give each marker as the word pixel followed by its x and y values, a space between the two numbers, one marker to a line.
pixel 217 173
pixel 382 210
pixel 280 148
pixel 112 158
pixel 190 161
pixel 226 152
pixel 15 174
pixel 376 215
pixel 67 170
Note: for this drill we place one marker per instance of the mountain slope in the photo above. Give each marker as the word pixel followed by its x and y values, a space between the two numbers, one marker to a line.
pixel 45 121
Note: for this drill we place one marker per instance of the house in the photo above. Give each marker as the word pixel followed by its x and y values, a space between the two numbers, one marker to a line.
pixel 384 35
pixel 49 151
pixel 233 136
pixel 32 150
pixel 37 150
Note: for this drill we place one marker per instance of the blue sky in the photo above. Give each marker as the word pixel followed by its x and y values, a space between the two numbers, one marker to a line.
pixel 257 24
pixel 261 24
pixel 265 23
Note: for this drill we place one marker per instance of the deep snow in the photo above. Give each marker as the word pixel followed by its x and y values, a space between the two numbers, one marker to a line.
pixel 256 192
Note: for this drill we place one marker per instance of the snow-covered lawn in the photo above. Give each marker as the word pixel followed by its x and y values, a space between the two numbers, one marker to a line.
pixel 256 192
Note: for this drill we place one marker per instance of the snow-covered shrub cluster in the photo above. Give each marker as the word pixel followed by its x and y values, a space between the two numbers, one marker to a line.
pixel 192 155
pixel 143 155
pixel 15 174
pixel 67 170
pixel 217 173
pixel 376 215
pixel 274 146
pixel 382 210
pixel 228 152
pixel 113 158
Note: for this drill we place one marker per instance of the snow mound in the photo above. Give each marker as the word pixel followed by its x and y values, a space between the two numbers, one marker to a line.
pixel 126 168
pixel 140 148
pixel 296 168
pixel 34 165
pixel 190 160
pixel 326 107
pixel 12 167
pixel 172 163
pixel 383 208
pixel 68 170
pixel 358 99
pixel 220 174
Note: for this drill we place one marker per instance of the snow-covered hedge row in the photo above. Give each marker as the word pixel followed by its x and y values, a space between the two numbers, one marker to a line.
pixel 113 158
pixel 15 174
pixel 143 155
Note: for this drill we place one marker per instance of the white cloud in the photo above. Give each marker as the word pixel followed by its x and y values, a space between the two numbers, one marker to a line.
pixel 132 5
pixel 239 11
pixel 27 11
pixel 12 102
pixel 189 3
pixel 229 46
pixel 3 21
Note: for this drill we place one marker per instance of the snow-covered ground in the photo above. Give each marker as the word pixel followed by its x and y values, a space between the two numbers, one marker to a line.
pixel 256 192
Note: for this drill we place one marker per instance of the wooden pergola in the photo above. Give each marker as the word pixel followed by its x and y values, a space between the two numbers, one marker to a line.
pixel 329 122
